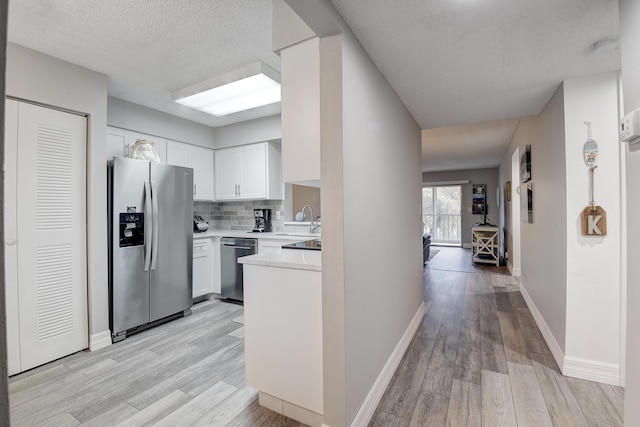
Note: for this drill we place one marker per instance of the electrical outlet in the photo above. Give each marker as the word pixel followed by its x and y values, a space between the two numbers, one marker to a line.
pixel 277 214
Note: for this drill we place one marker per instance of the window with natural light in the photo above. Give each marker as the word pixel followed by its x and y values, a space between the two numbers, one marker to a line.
pixel 442 213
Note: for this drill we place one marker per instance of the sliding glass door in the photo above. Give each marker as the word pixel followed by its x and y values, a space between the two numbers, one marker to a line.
pixel 442 213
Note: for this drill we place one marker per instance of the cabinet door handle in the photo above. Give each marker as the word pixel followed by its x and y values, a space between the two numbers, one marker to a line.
pixel 194 189
pixel 239 192
pixel 124 150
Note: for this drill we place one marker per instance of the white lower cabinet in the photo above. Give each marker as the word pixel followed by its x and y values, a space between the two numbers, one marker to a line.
pixel 283 337
pixel 202 268
pixel 206 266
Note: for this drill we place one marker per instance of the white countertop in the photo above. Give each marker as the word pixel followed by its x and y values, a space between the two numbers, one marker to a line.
pixel 299 259
pixel 278 235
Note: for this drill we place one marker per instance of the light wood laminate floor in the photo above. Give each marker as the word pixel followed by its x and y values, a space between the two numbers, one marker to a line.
pixel 478 359
pixel 189 372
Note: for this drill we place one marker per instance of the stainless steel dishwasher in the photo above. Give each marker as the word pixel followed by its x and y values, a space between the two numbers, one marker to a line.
pixel 232 248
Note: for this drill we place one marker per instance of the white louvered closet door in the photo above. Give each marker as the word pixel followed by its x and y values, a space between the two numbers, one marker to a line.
pixel 51 234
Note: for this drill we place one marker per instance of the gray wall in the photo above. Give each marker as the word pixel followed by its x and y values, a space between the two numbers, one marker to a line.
pixel 544 243
pixel 489 177
pixel 381 160
pixel 630 41
pixel 593 316
pixel 259 130
pixel 127 115
pixel 4 387
pixel 370 162
pixel 43 79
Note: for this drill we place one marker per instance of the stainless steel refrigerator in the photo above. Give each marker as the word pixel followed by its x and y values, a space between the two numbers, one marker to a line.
pixel 151 243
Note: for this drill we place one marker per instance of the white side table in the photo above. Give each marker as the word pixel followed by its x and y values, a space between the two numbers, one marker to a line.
pixel 485 244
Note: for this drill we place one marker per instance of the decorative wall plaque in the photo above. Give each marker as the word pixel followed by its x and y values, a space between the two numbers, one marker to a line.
pixel 594 221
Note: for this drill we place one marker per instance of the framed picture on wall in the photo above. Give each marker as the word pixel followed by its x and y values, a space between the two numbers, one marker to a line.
pixel 525 165
pixel 526 202
pixel 479 205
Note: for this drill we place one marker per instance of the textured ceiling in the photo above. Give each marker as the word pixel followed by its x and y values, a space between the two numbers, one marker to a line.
pixel 452 62
pixel 455 62
pixel 473 146
pixel 468 61
pixel 149 48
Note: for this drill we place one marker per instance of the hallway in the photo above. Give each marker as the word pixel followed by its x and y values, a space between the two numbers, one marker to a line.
pixel 478 358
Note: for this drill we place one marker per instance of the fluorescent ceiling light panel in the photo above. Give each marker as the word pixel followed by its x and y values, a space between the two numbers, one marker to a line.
pixel 249 87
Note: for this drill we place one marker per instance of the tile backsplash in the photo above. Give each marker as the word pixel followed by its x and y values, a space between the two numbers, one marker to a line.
pixel 238 215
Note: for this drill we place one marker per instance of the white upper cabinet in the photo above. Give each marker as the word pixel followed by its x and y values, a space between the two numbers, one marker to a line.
pixel 198 158
pixel 202 163
pixel 253 167
pixel 117 143
pixel 227 173
pixel 179 154
pixel 249 172
pixel 120 143
pixel 300 78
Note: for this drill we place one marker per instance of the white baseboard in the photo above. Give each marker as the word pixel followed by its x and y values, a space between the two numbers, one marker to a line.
pixel 591 370
pixel 584 369
pixel 364 415
pixel 99 340
pixel 556 351
pixel 514 271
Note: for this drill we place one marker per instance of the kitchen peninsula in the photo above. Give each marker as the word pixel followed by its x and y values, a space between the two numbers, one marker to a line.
pixel 283 331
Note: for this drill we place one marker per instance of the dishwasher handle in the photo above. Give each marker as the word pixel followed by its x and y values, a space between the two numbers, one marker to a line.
pixel 233 245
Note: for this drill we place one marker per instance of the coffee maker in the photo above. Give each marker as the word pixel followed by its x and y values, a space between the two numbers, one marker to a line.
pixel 263 220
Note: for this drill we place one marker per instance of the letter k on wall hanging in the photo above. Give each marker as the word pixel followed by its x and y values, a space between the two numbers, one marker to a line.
pixel 594 218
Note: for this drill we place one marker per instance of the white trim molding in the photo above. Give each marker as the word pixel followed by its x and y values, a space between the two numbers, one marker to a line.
pixel 555 348
pixel 466 245
pixel 514 271
pixel 99 340
pixel 591 370
pixel 445 183
pixel 364 415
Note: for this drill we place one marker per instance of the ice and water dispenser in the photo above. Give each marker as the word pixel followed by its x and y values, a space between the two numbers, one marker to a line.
pixel 131 229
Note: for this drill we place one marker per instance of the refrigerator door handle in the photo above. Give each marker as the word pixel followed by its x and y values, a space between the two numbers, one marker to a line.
pixel 154 251
pixel 148 232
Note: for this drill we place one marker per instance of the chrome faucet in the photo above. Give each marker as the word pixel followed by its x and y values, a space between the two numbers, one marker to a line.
pixel 312 226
